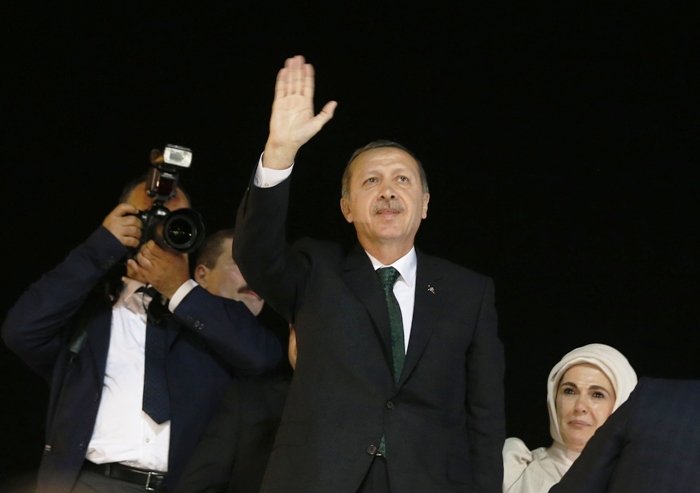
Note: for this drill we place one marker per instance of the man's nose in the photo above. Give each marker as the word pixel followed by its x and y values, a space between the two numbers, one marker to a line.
pixel 387 191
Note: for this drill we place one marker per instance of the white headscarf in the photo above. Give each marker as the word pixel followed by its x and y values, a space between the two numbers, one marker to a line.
pixel 608 359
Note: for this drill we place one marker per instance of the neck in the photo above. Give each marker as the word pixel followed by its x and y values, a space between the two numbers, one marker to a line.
pixel 387 253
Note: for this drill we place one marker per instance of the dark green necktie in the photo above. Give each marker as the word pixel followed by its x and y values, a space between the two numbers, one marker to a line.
pixel 388 276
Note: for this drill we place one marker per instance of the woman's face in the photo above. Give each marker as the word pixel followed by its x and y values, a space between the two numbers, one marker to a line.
pixel 585 398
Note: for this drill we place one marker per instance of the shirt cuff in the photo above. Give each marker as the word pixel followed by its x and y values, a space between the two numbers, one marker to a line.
pixel 181 292
pixel 268 177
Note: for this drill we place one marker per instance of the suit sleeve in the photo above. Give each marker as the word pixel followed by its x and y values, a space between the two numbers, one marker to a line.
pixel 35 325
pixel 231 330
pixel 261 249
pixel 485 404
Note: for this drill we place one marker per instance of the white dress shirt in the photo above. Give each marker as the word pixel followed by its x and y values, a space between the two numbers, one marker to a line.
pixel 123 432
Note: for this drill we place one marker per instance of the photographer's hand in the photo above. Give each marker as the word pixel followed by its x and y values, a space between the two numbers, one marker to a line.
pixel 293 121
pixel 166 270
pixel 124 225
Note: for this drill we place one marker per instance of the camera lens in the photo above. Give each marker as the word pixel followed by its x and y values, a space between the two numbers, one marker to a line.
pixel 183 230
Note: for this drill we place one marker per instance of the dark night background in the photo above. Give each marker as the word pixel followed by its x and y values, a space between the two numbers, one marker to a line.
pixel 560 142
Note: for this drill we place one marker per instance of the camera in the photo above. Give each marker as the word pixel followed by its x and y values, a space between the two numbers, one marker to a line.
pixel 181 230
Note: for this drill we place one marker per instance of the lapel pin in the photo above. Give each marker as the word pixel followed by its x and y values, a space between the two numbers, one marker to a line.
pixel 431 289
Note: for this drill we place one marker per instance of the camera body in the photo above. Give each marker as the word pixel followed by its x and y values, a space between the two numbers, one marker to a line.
pixel 181 230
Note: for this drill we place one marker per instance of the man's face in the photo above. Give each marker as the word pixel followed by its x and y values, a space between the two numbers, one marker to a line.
pixel 385 199
pixel 225 279
pixel 140 199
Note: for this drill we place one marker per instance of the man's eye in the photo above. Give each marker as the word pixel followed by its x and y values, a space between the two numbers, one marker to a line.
pixel 403 179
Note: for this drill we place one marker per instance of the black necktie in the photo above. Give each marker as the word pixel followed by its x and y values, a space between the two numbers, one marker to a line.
pixel 156 401
pixel 388 276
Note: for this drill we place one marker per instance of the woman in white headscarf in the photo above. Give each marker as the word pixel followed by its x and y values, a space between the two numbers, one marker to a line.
pixel 583 389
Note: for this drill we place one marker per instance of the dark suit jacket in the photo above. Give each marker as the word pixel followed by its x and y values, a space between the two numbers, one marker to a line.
pixel 651 444
pixel 233 452
pixel 444 421
pixel 64 337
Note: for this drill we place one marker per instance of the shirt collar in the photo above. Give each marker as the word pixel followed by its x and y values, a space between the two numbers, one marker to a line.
pixel 406 266
pixel 127 298
pixel 130 287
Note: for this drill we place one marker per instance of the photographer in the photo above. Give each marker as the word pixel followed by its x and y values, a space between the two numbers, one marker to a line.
pixel 86 327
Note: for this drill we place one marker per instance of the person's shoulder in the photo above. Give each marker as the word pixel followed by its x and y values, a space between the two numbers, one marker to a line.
pixel 515 445
pixel 449 268
pixel 517 458
pixel 664 386
pixel 309 243
pixel 322 250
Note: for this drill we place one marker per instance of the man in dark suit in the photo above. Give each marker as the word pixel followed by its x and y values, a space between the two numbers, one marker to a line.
pixel 82 326
pixel 233 451
pixel 651 444
pixel 406 399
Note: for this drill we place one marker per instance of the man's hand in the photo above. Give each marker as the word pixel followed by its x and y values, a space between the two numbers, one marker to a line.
pixel 124 225
pixel 164 269
pixel 293 122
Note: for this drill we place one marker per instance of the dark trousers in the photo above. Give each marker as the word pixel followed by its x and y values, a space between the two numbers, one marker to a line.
pixel 377 478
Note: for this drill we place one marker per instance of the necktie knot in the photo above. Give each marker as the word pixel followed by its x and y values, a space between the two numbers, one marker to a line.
pixel 155 304
pixel 148 291
pixel 388 276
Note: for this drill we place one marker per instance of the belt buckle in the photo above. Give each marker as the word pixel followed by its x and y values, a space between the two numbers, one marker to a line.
pixel 148 482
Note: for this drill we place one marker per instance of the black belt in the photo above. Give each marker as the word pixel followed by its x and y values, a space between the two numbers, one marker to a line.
pixel 150 480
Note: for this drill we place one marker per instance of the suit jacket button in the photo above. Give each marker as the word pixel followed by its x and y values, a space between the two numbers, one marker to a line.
pixel 390 404
pixel 372 449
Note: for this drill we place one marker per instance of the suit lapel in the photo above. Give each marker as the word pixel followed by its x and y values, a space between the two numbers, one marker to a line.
pixel 364 284
pixel 426 305
pixel 97 342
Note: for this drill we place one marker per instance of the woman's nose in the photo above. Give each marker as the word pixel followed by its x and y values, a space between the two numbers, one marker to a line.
pixel 581 405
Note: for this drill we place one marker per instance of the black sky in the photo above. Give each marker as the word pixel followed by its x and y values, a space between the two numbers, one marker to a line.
pixel 560 142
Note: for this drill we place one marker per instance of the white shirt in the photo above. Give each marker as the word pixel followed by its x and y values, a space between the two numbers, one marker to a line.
pixel 123 432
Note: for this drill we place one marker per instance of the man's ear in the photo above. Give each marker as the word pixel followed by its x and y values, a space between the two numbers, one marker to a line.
pixel 200 275
pixel 426 199
pixel 345 209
